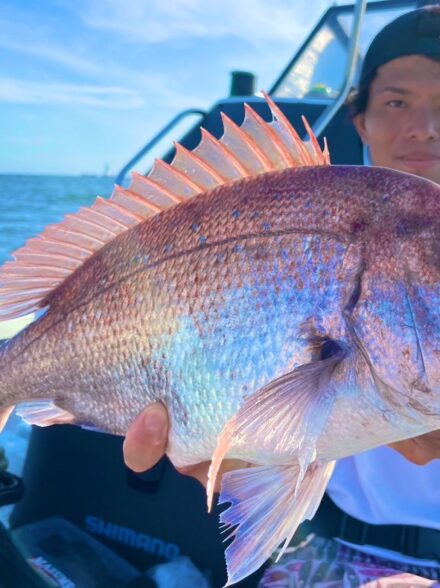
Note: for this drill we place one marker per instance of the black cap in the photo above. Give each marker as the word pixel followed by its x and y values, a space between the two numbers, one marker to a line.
pixel 414 33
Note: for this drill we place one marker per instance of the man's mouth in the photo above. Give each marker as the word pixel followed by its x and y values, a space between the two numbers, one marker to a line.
pixel 420 160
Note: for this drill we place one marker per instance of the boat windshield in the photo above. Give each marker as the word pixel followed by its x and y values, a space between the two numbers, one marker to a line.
pixel 319 69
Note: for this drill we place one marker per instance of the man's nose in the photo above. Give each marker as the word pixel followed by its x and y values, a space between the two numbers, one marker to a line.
pixel 424 124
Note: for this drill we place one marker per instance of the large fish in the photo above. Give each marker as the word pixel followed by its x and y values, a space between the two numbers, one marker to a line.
pixel 285 310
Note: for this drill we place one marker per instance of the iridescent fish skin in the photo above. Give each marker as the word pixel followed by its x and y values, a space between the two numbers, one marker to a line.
pixel 203 305
pixel 289 319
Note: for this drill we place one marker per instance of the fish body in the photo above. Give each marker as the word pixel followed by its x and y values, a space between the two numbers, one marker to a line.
pixel 288 319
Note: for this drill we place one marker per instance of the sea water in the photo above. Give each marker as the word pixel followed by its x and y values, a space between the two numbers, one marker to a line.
pixel 29 203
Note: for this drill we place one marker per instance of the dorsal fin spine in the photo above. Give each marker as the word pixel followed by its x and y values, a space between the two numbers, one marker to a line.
pixel 183 177
pixel 61 231
pixel 41 241
pixel 112 204
pixel 101 219
pixel 326 152
pixel 43 258
pixel 279 145
pixel 91 224
pixel 160 187
pixel 278 113
pixel 322 156
pixel 148 208
pixel 259 154
pixel 208 168
pixel 152 205
pixel 227 152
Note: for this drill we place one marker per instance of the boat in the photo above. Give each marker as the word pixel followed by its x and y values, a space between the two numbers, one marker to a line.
pixel 80 517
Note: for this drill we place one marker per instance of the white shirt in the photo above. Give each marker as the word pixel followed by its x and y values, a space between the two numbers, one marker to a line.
pixel 382 487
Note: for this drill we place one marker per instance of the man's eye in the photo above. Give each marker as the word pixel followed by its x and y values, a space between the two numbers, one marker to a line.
pixel 395 103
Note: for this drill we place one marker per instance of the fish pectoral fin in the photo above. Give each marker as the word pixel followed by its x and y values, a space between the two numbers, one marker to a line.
pixel 268 503
pixel 44 413
pixel 283 419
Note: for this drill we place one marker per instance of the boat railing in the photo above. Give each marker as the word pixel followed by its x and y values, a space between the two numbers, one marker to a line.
pixel 158 137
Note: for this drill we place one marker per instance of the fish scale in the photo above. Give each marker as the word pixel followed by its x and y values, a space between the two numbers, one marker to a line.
pixel 287 318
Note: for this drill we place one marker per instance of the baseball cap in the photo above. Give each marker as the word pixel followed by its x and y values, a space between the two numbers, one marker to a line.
pixel 414 33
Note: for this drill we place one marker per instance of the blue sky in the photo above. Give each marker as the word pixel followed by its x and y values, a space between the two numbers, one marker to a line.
pixel 85 83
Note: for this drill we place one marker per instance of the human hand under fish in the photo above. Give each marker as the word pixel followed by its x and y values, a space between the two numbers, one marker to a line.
pixel 284 310
pixel 146 441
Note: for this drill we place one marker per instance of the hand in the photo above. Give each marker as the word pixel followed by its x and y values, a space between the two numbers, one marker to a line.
pixel 420 450
pixel 146 441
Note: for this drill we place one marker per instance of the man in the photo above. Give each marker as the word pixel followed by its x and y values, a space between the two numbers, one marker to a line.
pixel 397 115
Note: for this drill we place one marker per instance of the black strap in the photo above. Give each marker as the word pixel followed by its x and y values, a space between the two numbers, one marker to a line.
pixel 330 521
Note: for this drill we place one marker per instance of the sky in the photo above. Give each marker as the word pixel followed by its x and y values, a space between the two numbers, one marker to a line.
pixel 84 84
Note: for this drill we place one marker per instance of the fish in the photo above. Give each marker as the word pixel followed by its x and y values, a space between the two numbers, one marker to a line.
pixel 285 310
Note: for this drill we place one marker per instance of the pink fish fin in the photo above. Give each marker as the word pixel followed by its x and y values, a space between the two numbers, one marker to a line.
pixel 5 413
pixel 179 185
pixel 283 419
pixel 266 137
pixel 44 413
pixel 321 156
pixel 218 156
pixel 301 153
pixel 267 504
pixel 190 163
pixel 244 148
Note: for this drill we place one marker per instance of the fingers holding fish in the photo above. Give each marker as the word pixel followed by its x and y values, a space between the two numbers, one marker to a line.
pixel 146 439
pixel 420 450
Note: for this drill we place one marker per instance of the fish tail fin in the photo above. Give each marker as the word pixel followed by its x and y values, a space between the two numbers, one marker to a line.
pixel 267 504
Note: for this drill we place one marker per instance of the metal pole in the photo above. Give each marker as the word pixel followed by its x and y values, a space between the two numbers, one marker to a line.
pixel 331 110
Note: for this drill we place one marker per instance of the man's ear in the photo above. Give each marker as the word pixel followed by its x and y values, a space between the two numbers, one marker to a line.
pixel 359 123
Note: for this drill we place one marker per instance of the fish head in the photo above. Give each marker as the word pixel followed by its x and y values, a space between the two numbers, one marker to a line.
pixel 396 317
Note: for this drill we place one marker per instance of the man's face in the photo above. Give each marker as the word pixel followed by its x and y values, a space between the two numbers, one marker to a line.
pixel 401 124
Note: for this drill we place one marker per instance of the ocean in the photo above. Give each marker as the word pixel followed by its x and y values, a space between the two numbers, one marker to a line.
pixel 28 203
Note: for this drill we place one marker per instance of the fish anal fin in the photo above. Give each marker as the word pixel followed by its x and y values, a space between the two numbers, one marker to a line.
pixel 253 148
pixel 44 414
pixel 286 418
pixel 267 504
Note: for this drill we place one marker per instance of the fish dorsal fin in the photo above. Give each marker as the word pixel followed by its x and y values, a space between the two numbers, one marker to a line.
pixel 45 261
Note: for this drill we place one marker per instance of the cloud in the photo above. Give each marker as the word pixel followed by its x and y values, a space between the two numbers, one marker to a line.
pixel 52 52
pixel 154 21
pixel 25 92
